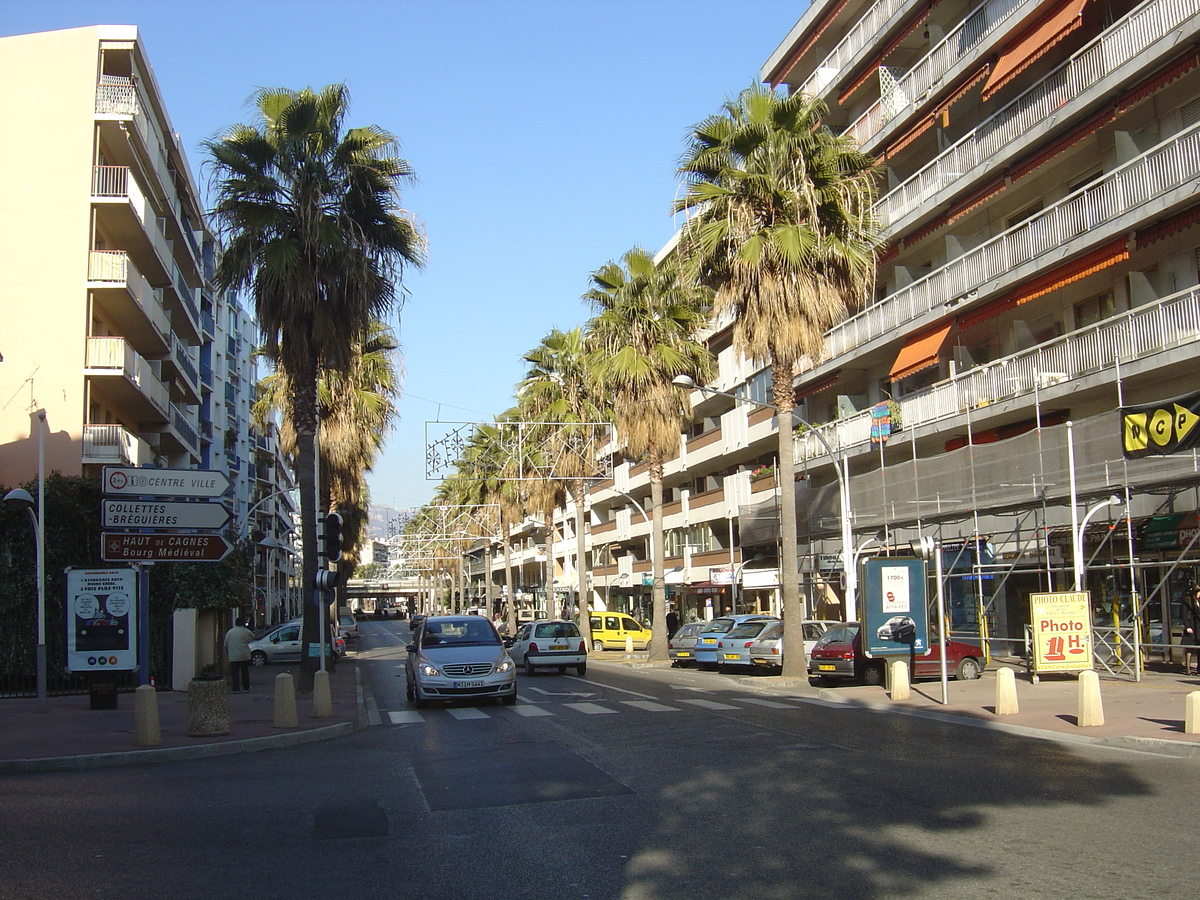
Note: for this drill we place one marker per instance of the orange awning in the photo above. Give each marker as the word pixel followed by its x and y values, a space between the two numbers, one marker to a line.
pixel 920 351
pixel 1033 42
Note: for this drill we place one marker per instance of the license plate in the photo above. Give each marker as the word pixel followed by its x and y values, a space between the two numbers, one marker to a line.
pixel 825 668
pixel 467 684
pixel 683 653
pixel 732 656
pixel 708 642
pixel 559 647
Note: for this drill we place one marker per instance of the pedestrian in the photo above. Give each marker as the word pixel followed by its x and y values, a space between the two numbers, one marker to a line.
pixel 1191 630
pixel 237 651
pixel 672 624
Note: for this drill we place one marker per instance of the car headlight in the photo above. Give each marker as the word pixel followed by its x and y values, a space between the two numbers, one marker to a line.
pixel 504 665
pixel 426 669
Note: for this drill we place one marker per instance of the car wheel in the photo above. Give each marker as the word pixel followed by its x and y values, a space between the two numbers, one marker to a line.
pixel 408 691
pixel 529 669
pixel 581 669
pixel 597 645
pixel 562 670
pixel 258 658
pixel 872 674
pixel 510 699
pixel 968 669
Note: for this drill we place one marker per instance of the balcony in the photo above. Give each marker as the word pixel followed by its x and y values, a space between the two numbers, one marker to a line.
pixel 187 312
pixel 127 298
pixel 113 445
pixel 189 376
pixel 128 381
pixel 860 36
pixel 120 102
pixel 131 220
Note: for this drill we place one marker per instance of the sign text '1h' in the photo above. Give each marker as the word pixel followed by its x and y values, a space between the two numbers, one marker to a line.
pixel 130 482
pixel 157 547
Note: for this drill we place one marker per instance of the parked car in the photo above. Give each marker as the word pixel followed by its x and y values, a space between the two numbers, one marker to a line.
pixel 711 634
pixel 458 657
pixel 767 650
pixel 551 642
pixel 838 656
pixel 609 631
pixel 283 644
pixel 348 625
pixel 681 645
pixel 733 649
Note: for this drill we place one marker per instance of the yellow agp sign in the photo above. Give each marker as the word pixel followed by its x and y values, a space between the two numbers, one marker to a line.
pixel 1167 427
pixel 1062 631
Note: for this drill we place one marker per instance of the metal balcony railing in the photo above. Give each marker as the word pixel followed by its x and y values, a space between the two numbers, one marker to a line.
pixel 859 36
pixel 120 96
pixel 180 355
pixel 115 267
pixel 184 430
pixel 115 354
pixel 109 444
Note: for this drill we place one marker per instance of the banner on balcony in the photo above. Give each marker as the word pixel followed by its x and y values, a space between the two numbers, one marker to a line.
pixel 1169 426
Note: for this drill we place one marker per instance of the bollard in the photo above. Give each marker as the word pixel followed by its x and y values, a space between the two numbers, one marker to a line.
pixel 1091 710
pixel 146 731
pixel 285 701
pixel 1191 713
pixel 899 679
pixel 629 643
pixel 322 702
pixel 1006 691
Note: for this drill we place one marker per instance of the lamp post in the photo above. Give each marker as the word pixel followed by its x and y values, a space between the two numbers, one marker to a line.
pixel 1077 537
pixel 20 499
pixel 848 555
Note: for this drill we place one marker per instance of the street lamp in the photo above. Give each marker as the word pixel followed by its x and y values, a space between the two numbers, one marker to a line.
pixel 848 555
pixel 20 499
pixel 1077 537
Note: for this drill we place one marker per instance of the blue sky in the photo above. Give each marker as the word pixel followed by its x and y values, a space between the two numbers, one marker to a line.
pixel 544 134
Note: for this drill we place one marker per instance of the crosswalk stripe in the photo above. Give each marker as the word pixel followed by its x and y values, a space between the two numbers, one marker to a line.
pixel 529 710
pixel 592 709
pixel 650 706
pixel 709 704
pixel 770 703
pixel 405 717
pixel 467 712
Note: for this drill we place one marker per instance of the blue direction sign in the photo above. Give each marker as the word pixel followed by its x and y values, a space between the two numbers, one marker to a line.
pixel 163 514
pixel 130 482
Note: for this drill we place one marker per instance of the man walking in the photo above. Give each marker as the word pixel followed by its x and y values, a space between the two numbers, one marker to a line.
pixel 237 651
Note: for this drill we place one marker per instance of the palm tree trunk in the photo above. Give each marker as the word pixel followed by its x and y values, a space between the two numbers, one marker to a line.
pixel 794 663
pixel 304 405
pixel 579 488
pixel 658 593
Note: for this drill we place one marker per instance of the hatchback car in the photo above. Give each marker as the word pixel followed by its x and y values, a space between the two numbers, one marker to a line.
pixel 711 634
pixel 681 646
pixel 458 657
pixel 283 644
pixel 610 631
pixel 838 655
pixel 551 642
pixel 733 650
pixel 767 649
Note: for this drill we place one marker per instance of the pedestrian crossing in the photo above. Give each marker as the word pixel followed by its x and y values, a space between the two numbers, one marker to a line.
pixel 535 708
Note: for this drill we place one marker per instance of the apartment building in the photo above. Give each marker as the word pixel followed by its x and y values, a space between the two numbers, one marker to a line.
pixel 108 319
pixel 1040 274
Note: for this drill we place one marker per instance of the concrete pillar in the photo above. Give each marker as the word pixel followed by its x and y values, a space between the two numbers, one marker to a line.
pixel 1091 709
pixel 285 701
pixel 208 707
pixel 899 680
pixel 1006 691
pixel 1191 713
pixel 322 701
pixel 146 731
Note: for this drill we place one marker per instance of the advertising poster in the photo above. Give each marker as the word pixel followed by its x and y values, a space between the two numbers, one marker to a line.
pixel 101 619
pixel 895 621
pixel 1062 631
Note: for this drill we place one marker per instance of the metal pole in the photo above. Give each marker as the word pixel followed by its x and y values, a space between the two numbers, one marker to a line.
pixel 941 602
pixel 40 530
pixel 143 637
pixel 1076 541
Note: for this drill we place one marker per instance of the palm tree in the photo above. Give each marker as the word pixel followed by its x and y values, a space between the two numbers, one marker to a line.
pixel 783 232
pixel 642 337
pixel 309 211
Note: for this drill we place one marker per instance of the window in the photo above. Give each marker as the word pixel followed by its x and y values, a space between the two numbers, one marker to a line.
pixel 757 389
pixel 1089 312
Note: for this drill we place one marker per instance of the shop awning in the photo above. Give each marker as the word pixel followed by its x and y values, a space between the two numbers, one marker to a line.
pixel 920 351
pixel 1035 41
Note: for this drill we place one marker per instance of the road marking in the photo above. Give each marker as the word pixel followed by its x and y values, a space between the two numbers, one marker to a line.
pixel 709 704
pixel 467 712
pixel 528 710
pixel 688 687
pixel 771 703
pixel 406 717
pixel 650 706
pixel 557 694
pixel 592 709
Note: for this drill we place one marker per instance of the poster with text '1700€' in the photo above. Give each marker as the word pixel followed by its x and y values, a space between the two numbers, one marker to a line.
pixel 1062 631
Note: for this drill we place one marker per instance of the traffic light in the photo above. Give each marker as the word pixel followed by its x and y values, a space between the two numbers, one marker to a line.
pixel 331 537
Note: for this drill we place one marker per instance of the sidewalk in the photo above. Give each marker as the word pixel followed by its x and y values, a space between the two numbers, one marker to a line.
pixel 71 735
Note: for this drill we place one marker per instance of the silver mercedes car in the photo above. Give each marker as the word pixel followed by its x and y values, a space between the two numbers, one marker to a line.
pixel 458 658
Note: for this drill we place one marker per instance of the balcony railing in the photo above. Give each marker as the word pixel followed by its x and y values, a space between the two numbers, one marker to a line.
pixel 115 354
pixel 184 430
pixel 109 445
pixel 115 267
pixel 187 295
pixel 1091 215
pixel 183 361
pixel 1129 40
pixel 851 44
pixel 118 96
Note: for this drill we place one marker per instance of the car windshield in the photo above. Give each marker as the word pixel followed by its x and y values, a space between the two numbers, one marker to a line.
pixel 747 629
pixel 458 633
pixel 718 626
pixel 772 632
pixel 691 629
pixel 556 630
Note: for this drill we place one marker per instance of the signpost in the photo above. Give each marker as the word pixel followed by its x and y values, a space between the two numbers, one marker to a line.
pixel 129 482
pixel 163 514
pixel 147 546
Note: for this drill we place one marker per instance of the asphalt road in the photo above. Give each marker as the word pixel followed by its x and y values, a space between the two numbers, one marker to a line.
pixel 640 784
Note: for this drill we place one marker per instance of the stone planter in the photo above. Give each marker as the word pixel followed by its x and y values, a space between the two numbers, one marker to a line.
pixel 208 707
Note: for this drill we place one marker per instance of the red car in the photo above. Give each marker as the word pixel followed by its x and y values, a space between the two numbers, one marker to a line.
pixel 838 655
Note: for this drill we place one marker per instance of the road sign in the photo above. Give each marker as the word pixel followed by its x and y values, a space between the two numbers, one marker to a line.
pixel 130 482
pixel 162 514
pixel 151 547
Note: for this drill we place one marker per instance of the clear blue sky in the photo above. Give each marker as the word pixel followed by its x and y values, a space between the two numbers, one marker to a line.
pixel 544 134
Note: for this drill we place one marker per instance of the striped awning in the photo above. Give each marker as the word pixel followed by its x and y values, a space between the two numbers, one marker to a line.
pixel 1063 18
pixel 920 351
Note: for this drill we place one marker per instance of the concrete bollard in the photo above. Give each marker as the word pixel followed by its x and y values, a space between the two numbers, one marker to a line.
pixel 1091 709
pixel 629 643
pixel 322 701
pixel 1191 713
pixel 1006 691
pixel 901 689
pixel 285 701
pixel 146 731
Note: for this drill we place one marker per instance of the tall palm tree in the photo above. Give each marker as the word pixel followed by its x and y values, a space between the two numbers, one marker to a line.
pixel 644 335
pixel 783 232
pixel 309 211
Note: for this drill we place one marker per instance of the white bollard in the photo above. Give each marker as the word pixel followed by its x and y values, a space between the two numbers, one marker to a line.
pixel 1191 713
pixel 1091 709
pixel 1006 691
pixel 285 701
pixel 629 643
pixel 322 700
pixel 901 689
pixel 146 730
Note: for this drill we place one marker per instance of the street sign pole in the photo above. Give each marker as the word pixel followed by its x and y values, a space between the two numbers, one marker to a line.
pixel 143 588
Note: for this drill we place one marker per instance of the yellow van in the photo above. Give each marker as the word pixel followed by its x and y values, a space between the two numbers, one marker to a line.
pixel 609 631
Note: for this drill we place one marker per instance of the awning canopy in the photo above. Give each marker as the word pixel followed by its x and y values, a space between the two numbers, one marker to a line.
pixel 920 351
pixel 1036 40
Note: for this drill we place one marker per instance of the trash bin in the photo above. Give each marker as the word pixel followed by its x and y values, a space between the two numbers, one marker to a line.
pixel 208 706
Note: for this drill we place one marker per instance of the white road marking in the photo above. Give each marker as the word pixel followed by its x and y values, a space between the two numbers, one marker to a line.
pixel 592 709
pixel 771 703
pixel 405 717
pixel 650 706
pixel 709 704
pixel 529 710
pixel 558 694
pixel 467 712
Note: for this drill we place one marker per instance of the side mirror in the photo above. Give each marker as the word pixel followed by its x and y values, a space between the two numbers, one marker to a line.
pixel 508 642
pixel 411 648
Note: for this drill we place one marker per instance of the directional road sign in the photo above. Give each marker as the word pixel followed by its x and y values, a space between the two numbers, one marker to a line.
pixel 130 482
pixel 162 514
pixel 151 547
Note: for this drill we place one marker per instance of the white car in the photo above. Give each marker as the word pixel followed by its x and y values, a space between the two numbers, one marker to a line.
pixel 550 642
pixel 457 658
